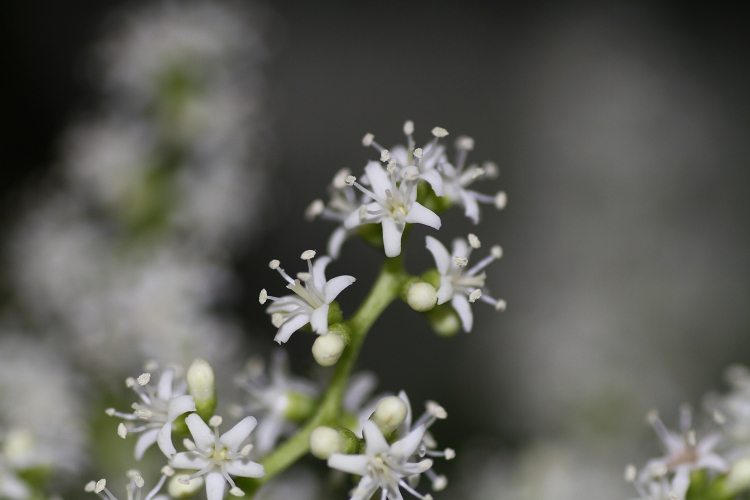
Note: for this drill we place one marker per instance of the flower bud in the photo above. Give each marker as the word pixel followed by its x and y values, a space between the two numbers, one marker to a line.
pixel 178 489
pixel 421 296
pixel 325 441
pixel 202 386
pixel 299 407
pixel 738 478
pixel 444 320
pixel 328 348
pixel 389 414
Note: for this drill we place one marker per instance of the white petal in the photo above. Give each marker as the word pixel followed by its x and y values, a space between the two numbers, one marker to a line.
pixel 144 442
pixel 707 443
pixel 378 178
pixel 360 386
pixel 202 434
pixel 319 319
pixel 291 326
pixel 245 468
pixel 365 489
pixel 215 485
pixel 179 405
pixel 407 421
pixel 712 461
pixel 13 488
pixel 392 237
pixel 418 214
pixel 333 288
pixel 450 170
pixel 278 369
pixel 411 468
pixel 405 447
pixel 235 436
pixel 461 305
pixel 374 440
pixel 353 464
pixel 319 271
pixel 471 207
pixel 435 180
pixel 439 253
pixel 681 482
pixel 445 292
pixel 352 220
pixel 164 389
pixel 188 460
pixel 164 440
pixel 460 247
pixel 268 432
pixel 336 241
pixel 399 154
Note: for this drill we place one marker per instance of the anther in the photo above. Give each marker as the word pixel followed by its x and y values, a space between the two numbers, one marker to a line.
pixel 143 413
pixel 129 382
pixel 439 483
pixel 450 453
pixel 630 473
pixel 418 153
pixel 367 140
pixel 236 492
pixel 350 180
pixel 362 212
pixel 151 365
pixel 408 127
pixel 473 296
pixel 436 410
pixel 391 166
pixel 144 379
pixel 490 169
pixel 501 200
pixel 215 421
pixel 314 209
pixel 138 480
pixel 474 241
pixel 439 132
pixel 501 305
pixel 304 276
pixel 122 431
pixel 188 444
pixel 339 180
pixel 246 450
pixel 184 479
pixel 263 297
pixel 100 485
pixel 497 251
pixel 167 471
pixel 719 417
pixel 460 261
pixel 110 411
pixel 277 319
pixel 274 264
pixel 385 155
pixel 307 255
pixel 89 486
pixel 465 143
pixel 690 438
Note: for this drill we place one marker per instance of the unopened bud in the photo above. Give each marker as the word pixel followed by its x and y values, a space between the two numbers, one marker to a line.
pixel 389 414
pixel 328 348
pixel 202 386
pixel 738 478
pixel 325 441
pixel 444 320
pixel 421 296
pixel 181 486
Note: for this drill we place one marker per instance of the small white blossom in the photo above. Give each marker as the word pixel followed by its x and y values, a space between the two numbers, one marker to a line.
pixel 684 454
pixel 310 303
pixel 159 408
pixel 458 284
pixel 133 488
pixel 383 466
pixel 395 204
pixel 218 457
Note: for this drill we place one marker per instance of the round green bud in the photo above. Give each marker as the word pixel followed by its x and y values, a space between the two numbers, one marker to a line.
pixel 421 296
pixel 328 348
pixel 444 320
pixel 325 441
pixel 389 414
pixel 202 386
pixel 181 486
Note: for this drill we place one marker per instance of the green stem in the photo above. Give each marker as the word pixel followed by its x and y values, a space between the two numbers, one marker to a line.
pixel 386 288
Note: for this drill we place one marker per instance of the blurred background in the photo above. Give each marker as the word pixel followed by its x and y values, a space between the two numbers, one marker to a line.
pixel 621 133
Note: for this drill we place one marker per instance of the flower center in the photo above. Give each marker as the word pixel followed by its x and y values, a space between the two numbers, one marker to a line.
pixel 219 454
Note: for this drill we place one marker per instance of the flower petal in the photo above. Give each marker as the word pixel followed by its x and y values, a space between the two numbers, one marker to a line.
pixel 379 180
pixel 360 386
pixel 352 220
pixel 235 436
pixel 435 180
pixel 445 292
pixel 164 440
pixel 333 288
pixel 374 440
pixel 164 389
pixel 392 237
pixel 291 326
pixel 681 481
pixel 144 442
pixel 268 432
pixel 319 271
pixel 461 305
pixel 319 319
pixel 179 405
pixel 202 434
pixel 419 214
pixel 406 446
pixel 245 468
pixel 278 368
pixel 400 154
pixel 460 247
pixel 215 485
pixel 439 253
pixel 353 464
pixel 336 241
pixel 406 425
pixel 712 461
pixel 190 460
pixel 13 488
pixel 365 489
pixel 471 207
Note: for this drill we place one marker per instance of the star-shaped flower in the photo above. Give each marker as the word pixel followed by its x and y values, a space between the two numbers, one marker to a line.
pixel 218 457
pixel 460 285
pixel 159 408
pixel 384 466
pixel 310 303
pixel 395 204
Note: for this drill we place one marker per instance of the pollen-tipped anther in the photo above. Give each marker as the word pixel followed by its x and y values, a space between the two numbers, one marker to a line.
pixel 501 200
pixel 460 261
pixel 408 127
pixel 497 251
pixel 350 180
pixel 307 255
pixel 474 296
pixel 274 264
pixel 439 132
pixel 215 421
pixel 474 241
pixel 367 140
pixel 263 296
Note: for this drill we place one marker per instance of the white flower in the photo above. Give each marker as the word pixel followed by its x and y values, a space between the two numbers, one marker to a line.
pixel 684 454
pixel 159 407
pixel 394 205
pixel 271 397
pixel 456 181
pixel 459 285
pixel 136 484
pixel 383 466
pixel 311 302
pixel 218 456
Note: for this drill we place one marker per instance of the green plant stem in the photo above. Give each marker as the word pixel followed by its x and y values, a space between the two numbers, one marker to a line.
pixel 386 288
